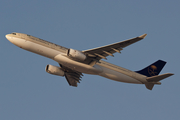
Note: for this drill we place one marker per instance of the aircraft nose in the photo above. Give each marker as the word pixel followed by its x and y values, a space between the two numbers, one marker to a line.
pixel 9 38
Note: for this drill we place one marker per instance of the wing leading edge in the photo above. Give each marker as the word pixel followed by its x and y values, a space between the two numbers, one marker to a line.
pixel 104 51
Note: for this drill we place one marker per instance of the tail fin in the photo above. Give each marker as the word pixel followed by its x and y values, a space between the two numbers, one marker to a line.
pixel 152 73
pixel 153 69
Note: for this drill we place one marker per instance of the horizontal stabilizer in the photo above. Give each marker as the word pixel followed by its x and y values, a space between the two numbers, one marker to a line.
pixel 149 86
pixel 157 78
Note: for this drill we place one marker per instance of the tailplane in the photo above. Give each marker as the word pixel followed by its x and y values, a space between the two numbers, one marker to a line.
pixel 152 73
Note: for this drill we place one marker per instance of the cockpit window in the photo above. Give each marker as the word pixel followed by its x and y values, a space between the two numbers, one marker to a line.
pixel 13 33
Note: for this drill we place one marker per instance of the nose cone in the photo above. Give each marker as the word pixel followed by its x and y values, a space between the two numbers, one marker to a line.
pixel 9 37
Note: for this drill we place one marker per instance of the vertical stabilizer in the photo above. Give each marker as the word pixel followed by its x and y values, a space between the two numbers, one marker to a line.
pixel 153 69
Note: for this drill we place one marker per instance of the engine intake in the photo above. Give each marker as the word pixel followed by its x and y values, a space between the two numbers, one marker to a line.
pixel 54 70
pixel 76 54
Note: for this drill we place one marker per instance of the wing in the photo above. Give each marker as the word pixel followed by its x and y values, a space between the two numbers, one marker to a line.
pixel 104 51
pixel 72 77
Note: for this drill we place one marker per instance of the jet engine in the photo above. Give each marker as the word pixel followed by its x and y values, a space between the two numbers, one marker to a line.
pixel 54 70
pixel 76 54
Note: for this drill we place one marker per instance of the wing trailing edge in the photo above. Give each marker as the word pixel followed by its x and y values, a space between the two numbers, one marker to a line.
pixel 109 50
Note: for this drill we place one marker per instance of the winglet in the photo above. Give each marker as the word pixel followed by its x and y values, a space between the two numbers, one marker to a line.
pixel 143 36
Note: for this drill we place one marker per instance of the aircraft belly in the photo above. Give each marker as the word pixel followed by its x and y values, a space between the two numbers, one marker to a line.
pixel 77 66
pixel 117 76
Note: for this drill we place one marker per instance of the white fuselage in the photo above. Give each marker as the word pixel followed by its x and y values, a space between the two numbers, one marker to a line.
pixel 59 54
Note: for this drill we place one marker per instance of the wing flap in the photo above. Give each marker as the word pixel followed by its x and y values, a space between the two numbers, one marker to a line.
pixel 73 77
pixel 104 51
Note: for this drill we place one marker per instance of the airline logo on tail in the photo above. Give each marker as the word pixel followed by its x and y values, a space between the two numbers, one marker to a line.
pixel 152 70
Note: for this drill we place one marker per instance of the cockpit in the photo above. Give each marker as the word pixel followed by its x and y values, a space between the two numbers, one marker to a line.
pixel 13 33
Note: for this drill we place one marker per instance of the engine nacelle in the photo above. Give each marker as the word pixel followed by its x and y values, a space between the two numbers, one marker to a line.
pixel 54 70
pixel 76 54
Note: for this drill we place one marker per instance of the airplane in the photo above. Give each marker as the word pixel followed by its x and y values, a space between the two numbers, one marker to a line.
pixel 73 63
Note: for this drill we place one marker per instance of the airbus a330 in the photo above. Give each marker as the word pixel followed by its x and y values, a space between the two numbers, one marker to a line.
pixel 73 63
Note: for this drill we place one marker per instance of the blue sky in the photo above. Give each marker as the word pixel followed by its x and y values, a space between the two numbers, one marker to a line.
pixel 27 92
